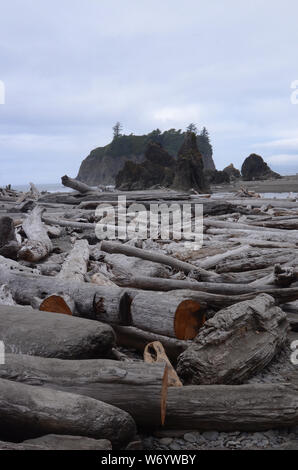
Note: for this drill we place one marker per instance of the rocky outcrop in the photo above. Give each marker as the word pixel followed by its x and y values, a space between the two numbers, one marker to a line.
pixel 233 173
pixel 104 163
pixel 254 168
pixel 216 177
pixel 157 169
pixel 189 169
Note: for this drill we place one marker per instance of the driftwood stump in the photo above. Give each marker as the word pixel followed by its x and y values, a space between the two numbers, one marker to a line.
pixel 236 343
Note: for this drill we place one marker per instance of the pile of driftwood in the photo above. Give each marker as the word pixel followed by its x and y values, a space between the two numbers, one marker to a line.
pixel 104 338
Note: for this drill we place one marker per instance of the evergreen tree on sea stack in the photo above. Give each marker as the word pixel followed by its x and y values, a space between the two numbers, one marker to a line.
pixel 117 130
pixel 192 128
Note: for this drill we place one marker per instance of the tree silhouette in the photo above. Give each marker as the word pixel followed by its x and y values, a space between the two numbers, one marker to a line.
pixel 192 128
pixel 117 130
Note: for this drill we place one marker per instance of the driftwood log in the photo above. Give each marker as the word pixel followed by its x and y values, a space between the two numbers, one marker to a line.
pixel 135 387
pixel 74 267
pixel 38 245
pixel 9 247
pixel 27 331
pixel 27 411
pixel 235 344
pixel 75 184
pixel 176 314
pixel 253 407
pixel 113 247
pixel 56 442
pixel 91 301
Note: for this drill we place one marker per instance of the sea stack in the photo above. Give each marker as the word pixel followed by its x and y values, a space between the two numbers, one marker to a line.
pixel 189 172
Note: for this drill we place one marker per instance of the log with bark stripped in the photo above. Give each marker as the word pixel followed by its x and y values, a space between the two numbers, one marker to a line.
pixel 136 387
pixel 38 245
pixel 76 185
pixel 27 411
pixel 28 331
pixel 253 407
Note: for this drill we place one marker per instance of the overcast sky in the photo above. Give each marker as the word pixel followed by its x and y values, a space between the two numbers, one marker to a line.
pixel 72 68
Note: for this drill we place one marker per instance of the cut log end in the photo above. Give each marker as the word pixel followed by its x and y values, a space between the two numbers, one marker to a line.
pixel 189 319
pixel 57 304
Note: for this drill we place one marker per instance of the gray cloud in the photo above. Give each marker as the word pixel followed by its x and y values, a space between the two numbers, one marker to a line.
pixel 73 68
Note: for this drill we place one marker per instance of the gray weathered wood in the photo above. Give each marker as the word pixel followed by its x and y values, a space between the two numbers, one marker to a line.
pixel 27 411
pixel 75 184
pixel 235 344
pixel 253 407
pixel 27 331
pixel 135 387
pixel 38 245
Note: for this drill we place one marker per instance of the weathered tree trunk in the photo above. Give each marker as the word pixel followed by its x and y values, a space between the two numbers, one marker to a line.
pixel 27 331
pixel 135 387
pixel 176 315
pixel 27 411
pixel 38 245
pixel 256 407
pixel 69 223
pixel 75 266
pixel 112 247
pixel 150 283
pixel 9 265
pixel 9 247
pixel 134 338
pixel 76 185
pixel 122 265
pixel 58 442
pixel 212 261
pixel 91 301
pixel 236 343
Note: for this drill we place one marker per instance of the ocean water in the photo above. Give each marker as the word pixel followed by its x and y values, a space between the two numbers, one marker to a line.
pixel 51 188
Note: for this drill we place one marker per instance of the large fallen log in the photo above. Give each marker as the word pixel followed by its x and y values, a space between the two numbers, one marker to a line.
pixel 75 184
pixel 178 316
pixel 75 266
pixel 174 315
pixel 69 223
pixel 253 407
pixel 113 247
pixel 235 344
pixel 38 245
pixel 27 411
pixel 135 387
pixel 91 301
pixel 27 331
pixel 122 265
pixel 58 442
pixel 165 285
